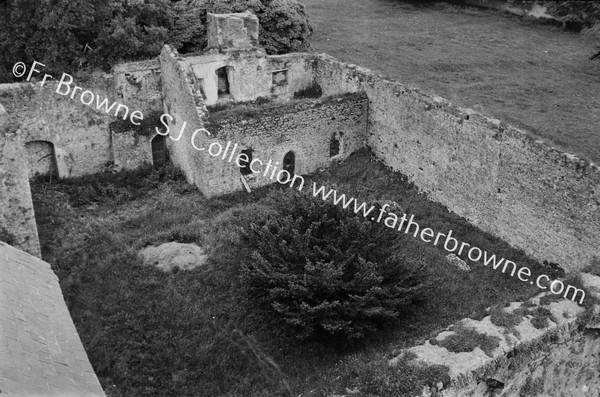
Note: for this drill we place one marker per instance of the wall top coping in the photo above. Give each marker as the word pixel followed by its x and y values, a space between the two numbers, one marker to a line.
pixel 43 353
pixel 503 129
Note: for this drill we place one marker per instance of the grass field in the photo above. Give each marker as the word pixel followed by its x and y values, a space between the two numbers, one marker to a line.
pixel 534 76
pixel 195 332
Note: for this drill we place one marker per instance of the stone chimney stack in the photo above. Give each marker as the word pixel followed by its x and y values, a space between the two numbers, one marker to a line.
pixel 232 31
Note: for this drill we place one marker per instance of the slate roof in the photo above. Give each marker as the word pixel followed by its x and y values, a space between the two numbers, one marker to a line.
pixel 40 351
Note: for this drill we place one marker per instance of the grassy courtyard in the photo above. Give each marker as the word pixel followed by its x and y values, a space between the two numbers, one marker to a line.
pixel 534 76
pixel 196 332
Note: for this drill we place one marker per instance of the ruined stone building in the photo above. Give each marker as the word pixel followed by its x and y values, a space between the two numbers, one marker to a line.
pixel 296 112
pixel 300 111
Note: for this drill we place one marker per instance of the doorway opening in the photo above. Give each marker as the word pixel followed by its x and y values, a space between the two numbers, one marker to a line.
pixel 160 155
pixel 289 162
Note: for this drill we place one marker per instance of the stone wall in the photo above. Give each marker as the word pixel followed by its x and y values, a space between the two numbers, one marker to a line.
pixel 553 350
pixel 232 30
pixel 252 74
pixel 131 150
pixel 184 103
pixel 305 128
pixel 497 176
pixel 17 217
pixel 138 85
pixel 78 133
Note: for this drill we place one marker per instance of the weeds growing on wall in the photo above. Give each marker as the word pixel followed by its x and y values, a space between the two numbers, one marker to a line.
pixel 467 339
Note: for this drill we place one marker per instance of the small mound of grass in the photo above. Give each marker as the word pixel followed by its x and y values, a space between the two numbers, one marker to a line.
pixel 467 339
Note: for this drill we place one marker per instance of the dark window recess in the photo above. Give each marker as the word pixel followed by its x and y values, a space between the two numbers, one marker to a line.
pixel 200 85
pixel 222 81
pixel 41 159
pixel 289 162
pixel 160 155
pixel 245 165
pixel 334 146
pixel 280 78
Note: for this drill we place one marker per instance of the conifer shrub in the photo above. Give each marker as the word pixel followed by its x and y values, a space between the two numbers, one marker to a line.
pixel 324 272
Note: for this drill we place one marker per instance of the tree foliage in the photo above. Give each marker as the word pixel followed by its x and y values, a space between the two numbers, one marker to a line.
pixel 324 271
pixel 67 35
pixel 577 13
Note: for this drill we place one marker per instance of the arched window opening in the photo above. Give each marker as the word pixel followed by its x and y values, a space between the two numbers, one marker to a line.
pixel 160 155
pixel 41 159
pixel 289 162
pixel 334 146
pixel 222 82
pixel 245 164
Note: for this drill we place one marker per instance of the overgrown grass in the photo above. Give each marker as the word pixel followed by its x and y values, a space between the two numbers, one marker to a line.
pixel 537 77
pixel 194 332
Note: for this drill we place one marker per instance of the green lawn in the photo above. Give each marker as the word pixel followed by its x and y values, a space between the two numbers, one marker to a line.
pixel 195 332
pixel 534 76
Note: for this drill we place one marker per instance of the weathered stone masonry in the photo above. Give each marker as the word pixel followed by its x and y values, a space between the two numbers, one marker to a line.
pixel 498 177
pixel 16 207
pixel 77 133
pixel 557 358
pixel 305 129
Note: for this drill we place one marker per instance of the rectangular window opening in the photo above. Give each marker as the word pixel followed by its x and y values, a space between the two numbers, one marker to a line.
pixel 280 78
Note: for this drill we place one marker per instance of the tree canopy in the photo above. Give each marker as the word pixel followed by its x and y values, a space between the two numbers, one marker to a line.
pixel 67 35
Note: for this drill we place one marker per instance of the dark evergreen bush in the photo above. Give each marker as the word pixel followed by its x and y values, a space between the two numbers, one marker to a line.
pixel 326 272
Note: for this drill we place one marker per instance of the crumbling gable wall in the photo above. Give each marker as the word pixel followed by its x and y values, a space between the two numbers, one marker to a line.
pixel 234 30
pixel 233 68
pixel 138 85
pixel 231 71
pixel 251 75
